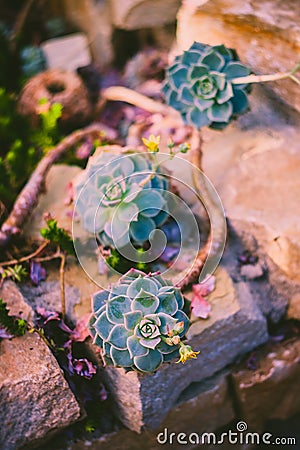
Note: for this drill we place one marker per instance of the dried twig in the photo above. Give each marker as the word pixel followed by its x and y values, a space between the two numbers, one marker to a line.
pixel 28 197
pixel 62 284
pixel 266 78
pixel 27 257
pixel 122 94
pixel 215 241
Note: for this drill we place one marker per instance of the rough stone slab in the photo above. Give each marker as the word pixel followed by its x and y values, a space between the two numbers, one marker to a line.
pixel 53 200
pixel 293 311
pixel 94 19
pixel 15 302
pixel 203 407
pixel 272 391
pixel 35 399
pixel 137 14
pixel 68 52
pixel 235 327
pixel 47 295
pixel 265 34
pixel 258 181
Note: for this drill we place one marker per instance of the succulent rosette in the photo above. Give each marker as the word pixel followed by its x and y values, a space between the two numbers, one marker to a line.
pixel 118 200
pixel 139 322
pixel 199 85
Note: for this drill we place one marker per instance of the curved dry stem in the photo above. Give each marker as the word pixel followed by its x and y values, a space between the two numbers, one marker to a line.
pixel 122 94
pixel 28 197
pixel 266 78
pixel 209 255
pixel 27 257
pixel 62 284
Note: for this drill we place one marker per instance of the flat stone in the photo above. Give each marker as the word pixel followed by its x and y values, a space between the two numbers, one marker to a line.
pixel 271 391
pixel 254 165
pixel 35 398
pixel 15 301
pixel 203 407
pixel 252 271
pixel 235 326
pixel 47 295
pixel 53 200
pixel 94 19
pixel 68 52
pixel 293 311
pixel 137 14
pixel 266 35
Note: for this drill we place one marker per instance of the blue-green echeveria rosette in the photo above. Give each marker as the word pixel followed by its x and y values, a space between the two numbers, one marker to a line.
pixel 133 322
pixel 114 202
pixel 199 86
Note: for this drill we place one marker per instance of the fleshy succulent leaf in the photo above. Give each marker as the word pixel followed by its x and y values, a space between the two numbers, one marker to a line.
pixel 167 303
pixel 150 362
pixel 167 322
pixel 141 229
pixel 132 318
pixel 142 283
pixel 118 337
pixel 117 307
pixel 150 343
pixel 121 358
pixel 236 70
pixel 145 302
pixel 135 348
pixel 99 299
pixel 103 326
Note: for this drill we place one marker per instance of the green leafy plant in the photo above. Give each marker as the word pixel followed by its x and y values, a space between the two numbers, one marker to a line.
pixel 21 145
pixel 16 273
pixel 201 85
pixel 13 325
pixel 47 136
pixel 59 236
pixel 140 322
pixel 121 197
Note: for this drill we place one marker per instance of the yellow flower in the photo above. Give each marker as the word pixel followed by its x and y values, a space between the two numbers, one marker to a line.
pixel 186 353
pixel 152 143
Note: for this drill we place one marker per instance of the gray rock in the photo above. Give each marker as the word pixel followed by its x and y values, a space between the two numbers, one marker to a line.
pixel 272 390
pixel 252 271
pixel 203 407
pixel 137 14
pixel 236 326
pixel 35 399
pixel 293 311
pixel 47 295
pixel 15 301
pixel 53 201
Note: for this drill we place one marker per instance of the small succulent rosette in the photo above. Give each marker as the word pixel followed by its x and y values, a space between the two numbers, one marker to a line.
pixel 200 86
pixel 119 200
pixel 139 323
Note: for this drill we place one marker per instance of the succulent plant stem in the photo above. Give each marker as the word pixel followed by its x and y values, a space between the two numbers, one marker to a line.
pixel 266 78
